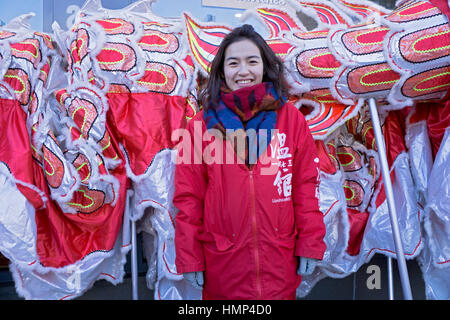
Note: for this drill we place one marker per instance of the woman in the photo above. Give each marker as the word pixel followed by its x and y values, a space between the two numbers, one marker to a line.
pixel 249 222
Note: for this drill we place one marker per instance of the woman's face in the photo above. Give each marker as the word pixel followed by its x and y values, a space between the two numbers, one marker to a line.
pixel 243 65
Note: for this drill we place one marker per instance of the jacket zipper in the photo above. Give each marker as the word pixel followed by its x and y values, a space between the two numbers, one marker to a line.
pixel 255 236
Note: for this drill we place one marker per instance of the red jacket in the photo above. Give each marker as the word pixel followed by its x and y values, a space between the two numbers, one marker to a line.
pixel 246 228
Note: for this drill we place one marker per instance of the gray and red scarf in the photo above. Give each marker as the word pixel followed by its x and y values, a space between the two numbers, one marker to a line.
pixel 249 110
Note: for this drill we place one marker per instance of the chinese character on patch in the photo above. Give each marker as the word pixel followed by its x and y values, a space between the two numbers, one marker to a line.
pixel 283 183
pixel 283 153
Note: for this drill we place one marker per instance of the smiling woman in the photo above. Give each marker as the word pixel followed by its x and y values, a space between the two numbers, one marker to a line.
pixel 235 45
pixel 247 228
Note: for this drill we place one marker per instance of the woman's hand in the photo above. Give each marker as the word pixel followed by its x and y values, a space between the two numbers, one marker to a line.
pixel 195 279
pixel 307 266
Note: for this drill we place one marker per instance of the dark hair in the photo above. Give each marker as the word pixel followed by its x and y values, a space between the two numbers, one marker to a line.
pixel 273 67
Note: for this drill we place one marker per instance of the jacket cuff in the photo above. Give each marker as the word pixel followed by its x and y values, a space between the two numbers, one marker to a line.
pixel 183 268
pixel 308 253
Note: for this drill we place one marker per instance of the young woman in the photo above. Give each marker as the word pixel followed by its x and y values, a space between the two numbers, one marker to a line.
pixel 246 185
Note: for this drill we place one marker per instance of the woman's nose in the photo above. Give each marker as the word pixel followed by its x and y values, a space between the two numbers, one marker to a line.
pixel 243 69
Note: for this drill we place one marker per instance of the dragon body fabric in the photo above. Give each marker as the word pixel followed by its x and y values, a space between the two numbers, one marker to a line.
pixel 88 116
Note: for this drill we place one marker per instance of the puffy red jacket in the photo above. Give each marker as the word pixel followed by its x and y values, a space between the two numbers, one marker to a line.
pixel 246 228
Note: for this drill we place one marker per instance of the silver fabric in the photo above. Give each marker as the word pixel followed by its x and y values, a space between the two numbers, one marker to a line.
pixel 17 226
pixel 153 194
pixel 421 158
pixel 73 280
pixel 431 181
pixel 378 237
pixel 435 260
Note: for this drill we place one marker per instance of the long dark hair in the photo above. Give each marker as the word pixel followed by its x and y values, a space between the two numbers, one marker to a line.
pixel 273 67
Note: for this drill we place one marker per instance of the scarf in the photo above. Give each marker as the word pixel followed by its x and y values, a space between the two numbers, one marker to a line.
pixel 246 115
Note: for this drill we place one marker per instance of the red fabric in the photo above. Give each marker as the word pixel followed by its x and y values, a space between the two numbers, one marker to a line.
pixel 235 225
pixel 326 162
pixel 394 134
pixel 358 221
pixel 144 122
pixel 64 238
pixel 437 117
pixel 443 6
pixel 15 149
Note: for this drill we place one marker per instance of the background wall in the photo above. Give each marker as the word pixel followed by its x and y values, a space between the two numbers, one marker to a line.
pixel 62 11
pixel 9 11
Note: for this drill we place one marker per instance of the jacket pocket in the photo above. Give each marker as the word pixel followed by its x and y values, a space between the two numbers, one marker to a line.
pixel 287 240
pixel 285 226
pixel 215 241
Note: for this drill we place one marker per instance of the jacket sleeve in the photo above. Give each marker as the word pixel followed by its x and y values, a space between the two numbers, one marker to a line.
pixel 190 187
pixel 305 194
